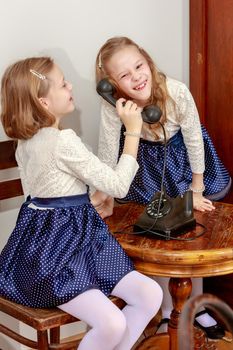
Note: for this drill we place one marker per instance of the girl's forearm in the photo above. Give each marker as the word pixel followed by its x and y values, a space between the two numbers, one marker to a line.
pixel 131 143
pixel 197 183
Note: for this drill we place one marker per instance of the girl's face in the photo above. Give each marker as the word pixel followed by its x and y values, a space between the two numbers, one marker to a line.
pixel 59 100
pixel 130 70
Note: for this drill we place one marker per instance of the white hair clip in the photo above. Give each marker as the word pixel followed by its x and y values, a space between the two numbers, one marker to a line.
pixel 38 75
pixel 99 61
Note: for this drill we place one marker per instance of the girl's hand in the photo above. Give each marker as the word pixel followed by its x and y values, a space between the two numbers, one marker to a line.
pixel 201 203
pixel 98 198
pixel 130 115
pixel 103 204
pixel 106 208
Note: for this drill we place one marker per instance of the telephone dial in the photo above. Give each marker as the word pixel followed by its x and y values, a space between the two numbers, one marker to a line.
pixel 150 114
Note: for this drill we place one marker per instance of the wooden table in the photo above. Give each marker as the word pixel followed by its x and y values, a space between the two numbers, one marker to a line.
pixel 208 255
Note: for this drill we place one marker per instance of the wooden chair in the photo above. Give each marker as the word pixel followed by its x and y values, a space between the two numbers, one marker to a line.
pixel 46 322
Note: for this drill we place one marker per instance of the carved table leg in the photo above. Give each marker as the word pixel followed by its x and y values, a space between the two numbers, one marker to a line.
pixel 180 290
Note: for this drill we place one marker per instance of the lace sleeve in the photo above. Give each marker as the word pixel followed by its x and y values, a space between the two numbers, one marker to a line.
pixel 191 129
pixel 76 160
pixel 109 135
pixel 25 186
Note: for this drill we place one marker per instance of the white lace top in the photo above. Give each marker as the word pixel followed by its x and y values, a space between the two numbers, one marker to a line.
pixel 55 163
pixel 185 117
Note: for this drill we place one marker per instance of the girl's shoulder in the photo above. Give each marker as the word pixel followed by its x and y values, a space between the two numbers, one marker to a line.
pixel 176 88
pixel 42 138
pixel 47 139
pixel 109 115
pixel 108 108
pixel 67 133
pixel 69 138
pixel 174 82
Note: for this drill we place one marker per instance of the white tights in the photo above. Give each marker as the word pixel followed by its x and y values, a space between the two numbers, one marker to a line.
pixel 112 328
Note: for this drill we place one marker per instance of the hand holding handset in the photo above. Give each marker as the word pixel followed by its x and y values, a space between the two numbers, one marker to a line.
pixel 150 114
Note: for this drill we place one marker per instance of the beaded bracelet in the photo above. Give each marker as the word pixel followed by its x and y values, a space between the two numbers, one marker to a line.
pixel 197 190
pixel 135 134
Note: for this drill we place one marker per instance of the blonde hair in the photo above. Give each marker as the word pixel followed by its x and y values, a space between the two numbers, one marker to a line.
pixel 22 114
pixel 159 93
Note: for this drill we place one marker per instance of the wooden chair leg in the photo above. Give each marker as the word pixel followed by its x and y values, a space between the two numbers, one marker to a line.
pixel 55 335
pixel 42 339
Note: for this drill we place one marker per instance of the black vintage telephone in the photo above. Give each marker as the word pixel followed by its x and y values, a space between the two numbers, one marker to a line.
pixel 150 114
pixel 166 217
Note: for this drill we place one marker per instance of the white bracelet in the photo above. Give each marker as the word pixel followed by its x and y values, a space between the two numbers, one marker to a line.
pixel 135 134
pixel 197 190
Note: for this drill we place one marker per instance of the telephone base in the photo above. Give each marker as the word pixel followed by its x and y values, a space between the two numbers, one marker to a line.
pixel 174 218
pixel 157 232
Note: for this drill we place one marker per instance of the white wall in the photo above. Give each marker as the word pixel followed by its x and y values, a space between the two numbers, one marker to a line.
pixel 72 31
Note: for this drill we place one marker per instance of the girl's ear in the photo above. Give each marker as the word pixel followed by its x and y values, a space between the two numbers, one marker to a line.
pixel 43 101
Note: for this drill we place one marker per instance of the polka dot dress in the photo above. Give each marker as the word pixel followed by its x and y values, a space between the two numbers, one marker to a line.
pixel 55 254
pixel 178 175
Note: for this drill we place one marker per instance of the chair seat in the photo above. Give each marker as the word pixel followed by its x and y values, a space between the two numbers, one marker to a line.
pixel 39 319
pixel 45 322
pixel 42 319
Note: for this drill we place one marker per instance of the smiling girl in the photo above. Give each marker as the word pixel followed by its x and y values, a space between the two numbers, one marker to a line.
pixel 192 162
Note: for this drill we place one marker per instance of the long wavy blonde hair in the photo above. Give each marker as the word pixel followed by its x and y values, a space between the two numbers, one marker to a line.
pixel 22 114
pixel 159 94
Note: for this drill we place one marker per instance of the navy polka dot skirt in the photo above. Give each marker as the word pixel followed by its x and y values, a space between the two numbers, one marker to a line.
pixel 55 254
pixel 178 175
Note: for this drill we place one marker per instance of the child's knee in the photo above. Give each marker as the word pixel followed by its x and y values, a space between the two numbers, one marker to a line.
pixel 114 326
pixel 152 295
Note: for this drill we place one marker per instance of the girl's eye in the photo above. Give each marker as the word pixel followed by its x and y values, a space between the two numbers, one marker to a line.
pixel 139 66
pixel 124 76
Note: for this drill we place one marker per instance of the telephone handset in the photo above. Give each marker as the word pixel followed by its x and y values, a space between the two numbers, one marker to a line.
pixel 150 114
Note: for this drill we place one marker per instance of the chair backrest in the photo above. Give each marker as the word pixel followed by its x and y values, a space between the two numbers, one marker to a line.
pixel 9 188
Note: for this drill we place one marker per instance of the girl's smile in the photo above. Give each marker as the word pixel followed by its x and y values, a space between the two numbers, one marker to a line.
pixel 140 87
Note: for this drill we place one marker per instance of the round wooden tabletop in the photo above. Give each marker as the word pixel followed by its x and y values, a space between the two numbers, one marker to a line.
pixel 209 255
